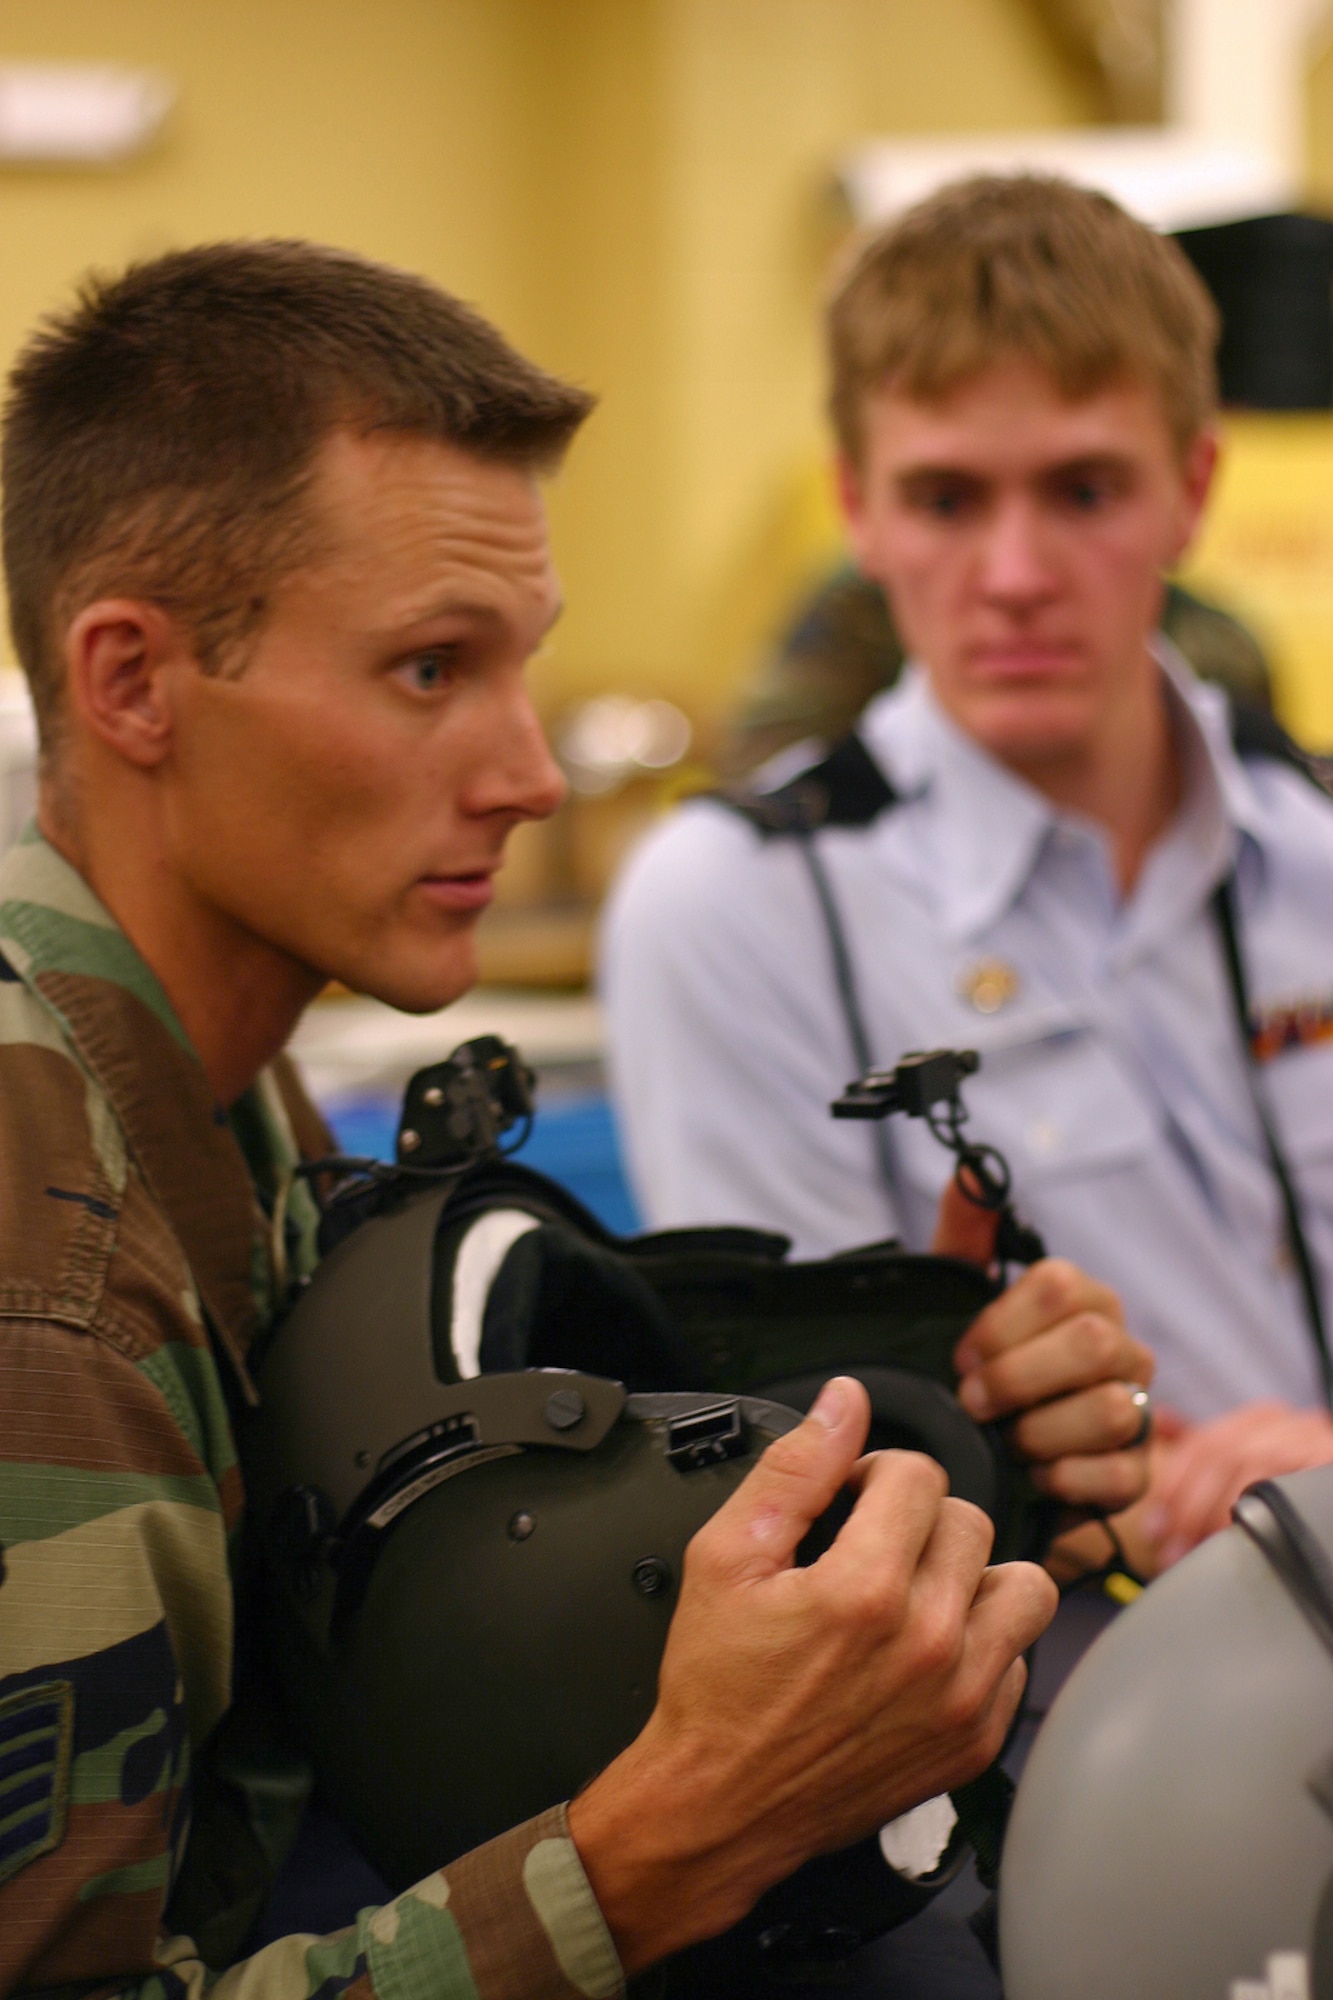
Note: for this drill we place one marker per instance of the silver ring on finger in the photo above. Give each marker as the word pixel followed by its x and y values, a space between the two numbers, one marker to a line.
pixel 1142 1402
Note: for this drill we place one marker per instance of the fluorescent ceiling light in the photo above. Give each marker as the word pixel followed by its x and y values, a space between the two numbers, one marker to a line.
pixel 89 113
pixel 1171 179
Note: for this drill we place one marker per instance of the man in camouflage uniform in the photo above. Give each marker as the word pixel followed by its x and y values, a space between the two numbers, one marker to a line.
pixel 276 561
pixel 131 1233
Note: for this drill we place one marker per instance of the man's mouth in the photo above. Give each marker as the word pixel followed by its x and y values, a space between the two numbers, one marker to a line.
pixel 462 892
pixel 1024 659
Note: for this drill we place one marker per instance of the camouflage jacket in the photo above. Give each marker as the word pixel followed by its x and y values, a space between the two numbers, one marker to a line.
pixel 133 1271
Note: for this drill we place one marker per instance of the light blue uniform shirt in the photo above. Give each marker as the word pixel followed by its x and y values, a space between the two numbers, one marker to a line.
pixel 1113 1078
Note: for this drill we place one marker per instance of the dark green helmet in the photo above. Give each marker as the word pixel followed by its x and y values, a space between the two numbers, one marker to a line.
pixel 472 1579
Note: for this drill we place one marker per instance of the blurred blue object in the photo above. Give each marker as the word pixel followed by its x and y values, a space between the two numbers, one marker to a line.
pixel 573 1140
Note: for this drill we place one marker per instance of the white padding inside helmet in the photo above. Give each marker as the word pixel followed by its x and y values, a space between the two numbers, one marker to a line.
pixel 480 1255
pixel 914 1843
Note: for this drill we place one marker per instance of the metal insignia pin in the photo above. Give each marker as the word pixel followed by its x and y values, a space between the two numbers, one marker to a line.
pixel 989 984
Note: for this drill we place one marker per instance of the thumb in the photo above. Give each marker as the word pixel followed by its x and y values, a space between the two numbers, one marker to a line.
pixel 964 1230
pixel 759 1529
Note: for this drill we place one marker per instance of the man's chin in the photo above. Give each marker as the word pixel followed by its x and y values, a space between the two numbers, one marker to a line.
pixel 420 989
pixel 1030 730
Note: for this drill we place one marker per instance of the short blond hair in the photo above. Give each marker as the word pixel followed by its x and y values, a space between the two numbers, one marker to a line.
pixel 160 437
pixel 1002 266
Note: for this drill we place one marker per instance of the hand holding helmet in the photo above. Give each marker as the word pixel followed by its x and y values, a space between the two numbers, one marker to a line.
pixel 800 1708
pixel 1054 1352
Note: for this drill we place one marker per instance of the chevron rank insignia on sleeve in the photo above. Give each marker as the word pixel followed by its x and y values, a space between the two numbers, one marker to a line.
pixel 36 1735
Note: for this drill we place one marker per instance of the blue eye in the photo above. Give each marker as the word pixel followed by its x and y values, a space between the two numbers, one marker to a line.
pixel 430 671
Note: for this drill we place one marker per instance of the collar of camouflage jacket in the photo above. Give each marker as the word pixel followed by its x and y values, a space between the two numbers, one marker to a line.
pixel 62 943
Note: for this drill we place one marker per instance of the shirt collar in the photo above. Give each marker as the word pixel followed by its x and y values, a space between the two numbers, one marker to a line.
pixel 984 829
pixel 981 828
pixel 70 953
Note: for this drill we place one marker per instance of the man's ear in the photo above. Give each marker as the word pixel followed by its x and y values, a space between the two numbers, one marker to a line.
pixel 118 657
pixel 1196 472
pixel 851 500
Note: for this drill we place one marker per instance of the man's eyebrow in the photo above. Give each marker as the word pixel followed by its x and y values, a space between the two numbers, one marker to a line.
pixel 453 607
pixel 467 609
pixel 912 475
pixel 1105 460
pixel 1102 460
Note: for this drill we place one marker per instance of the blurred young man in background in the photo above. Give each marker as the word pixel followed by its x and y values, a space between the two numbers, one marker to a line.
pixel 1040 845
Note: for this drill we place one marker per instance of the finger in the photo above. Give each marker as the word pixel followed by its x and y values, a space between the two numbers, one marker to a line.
pixel 1207 1470
pixel 1106 1480
pixel 758 1530
pixel 963 1229
pixel 1284 1441
pixel 1083 1350
pixel 1102 1418
pixel 1203 1505
pixel 1050 1292
pixel 1014 1604
pixel 1005 1707
pixel 1207 1443
pixel 903 1527
pixel 924 1603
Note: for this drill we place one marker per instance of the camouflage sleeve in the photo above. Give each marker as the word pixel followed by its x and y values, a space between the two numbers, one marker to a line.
pixel 514 1920
pixel 117 1489
pixel 115 1637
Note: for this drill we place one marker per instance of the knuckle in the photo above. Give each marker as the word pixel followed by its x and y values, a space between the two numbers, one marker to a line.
pixel 873 1603
pixel 1132 1436
pixel 1061 1286
pixel 702 1555
pixel 971 1523
pixel 920 1470
pixel 1128 1478
pixel 1142 1364
pixel 785 1459
pixel 961 1705
pixel 1119 1415
pixel 1099 1342
pixel 937 1643
pixel 1110 1481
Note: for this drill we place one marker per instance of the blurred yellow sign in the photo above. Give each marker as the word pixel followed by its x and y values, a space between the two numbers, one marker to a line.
pixel 1266 553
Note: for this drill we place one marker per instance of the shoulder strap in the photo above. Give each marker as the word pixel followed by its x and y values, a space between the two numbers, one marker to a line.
pixel 845 788
pixel 1255 734
pixel 1224 916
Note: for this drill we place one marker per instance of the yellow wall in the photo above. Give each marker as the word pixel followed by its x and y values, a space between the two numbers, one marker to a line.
pixel 636 189
pixel 696 209
pixel 1266 552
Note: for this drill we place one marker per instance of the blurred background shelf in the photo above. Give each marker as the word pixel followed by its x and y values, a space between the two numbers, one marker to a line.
pixel 543 946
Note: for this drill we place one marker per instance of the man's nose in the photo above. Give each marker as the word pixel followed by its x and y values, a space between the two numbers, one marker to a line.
pixel 517 773
pixel 1016 566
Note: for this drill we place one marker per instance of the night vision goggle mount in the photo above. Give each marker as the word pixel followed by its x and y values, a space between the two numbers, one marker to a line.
pixel 455 1114
pixel 927 1084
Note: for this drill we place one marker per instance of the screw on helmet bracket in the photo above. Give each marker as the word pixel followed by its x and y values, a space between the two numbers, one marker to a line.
pixel 458 1111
